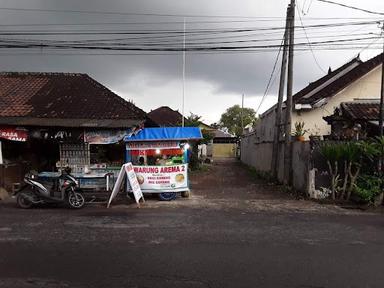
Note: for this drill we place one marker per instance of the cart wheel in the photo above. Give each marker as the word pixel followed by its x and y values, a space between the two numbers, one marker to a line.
pixel 185 194
pixel 167 196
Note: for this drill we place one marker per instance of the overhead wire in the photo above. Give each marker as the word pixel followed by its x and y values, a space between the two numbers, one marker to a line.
pixel 352 7
pixel 309 45
pixel 270 78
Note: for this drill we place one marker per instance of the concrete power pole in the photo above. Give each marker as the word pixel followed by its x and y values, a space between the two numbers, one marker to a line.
pixel 381 111
pixel 288 109
pixel 381 114
pixel 276 136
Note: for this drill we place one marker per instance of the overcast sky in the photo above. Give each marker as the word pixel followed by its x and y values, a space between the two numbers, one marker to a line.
pixel 215 80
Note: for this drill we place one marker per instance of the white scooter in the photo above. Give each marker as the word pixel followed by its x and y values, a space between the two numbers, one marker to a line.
pixel 60 190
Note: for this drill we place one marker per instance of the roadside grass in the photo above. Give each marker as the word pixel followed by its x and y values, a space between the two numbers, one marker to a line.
pixel 270 180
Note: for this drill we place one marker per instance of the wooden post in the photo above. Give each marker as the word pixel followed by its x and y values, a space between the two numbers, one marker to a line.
pixel 276 136
pixel 288 109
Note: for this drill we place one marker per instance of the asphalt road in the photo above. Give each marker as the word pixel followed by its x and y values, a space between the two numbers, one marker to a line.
pixel 258 240
pixel 170 247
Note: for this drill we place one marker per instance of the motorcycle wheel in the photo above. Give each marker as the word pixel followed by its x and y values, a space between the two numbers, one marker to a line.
pixel 167 196
pixel 76 200
pixel 23 200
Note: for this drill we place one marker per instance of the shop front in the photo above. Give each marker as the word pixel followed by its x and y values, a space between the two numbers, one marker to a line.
pixel 160 159
pixel 93 155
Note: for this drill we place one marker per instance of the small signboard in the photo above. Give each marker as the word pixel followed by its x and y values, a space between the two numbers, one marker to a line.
pixel 127 171
pixel 153 145
pixel 13 134
pixel 133 182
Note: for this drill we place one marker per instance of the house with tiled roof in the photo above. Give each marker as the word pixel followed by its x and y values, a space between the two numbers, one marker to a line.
pixel 52 120
pixel 355 120
pixel 63 100
pixel 355 80
pixel 165 116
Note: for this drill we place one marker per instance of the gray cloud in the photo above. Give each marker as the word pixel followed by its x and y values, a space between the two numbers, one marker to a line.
pixel 224 74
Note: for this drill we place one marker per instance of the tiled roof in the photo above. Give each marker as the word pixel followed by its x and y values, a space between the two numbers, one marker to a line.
pixel 328 77
pixel 62 98
pixel 315 88
pixel 338 84
pixel 165 117
pixel 361 110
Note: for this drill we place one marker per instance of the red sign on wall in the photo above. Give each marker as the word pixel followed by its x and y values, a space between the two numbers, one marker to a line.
pixel 13 134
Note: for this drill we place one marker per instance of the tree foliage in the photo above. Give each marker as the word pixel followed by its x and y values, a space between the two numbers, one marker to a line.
pixel 231 119
pixel 194 120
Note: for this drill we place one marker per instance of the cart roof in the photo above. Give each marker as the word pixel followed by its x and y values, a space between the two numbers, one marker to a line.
pixel 166 133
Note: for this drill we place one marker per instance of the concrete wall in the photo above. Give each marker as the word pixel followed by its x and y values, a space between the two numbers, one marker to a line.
pixel 224 150
pixel 259 156
pixel 301 155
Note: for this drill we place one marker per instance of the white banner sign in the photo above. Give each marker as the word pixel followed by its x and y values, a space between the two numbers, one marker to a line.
pixel 162 178
pixel 127 170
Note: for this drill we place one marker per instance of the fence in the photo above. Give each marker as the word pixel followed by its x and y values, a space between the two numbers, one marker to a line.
pixel 259 155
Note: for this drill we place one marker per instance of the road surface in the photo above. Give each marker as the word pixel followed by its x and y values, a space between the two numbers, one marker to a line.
pixel 262 238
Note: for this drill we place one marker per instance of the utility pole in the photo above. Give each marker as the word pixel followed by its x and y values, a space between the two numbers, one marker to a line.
pixel 242 113
pixel 276 136
pixel 381 113
pixel 183 105
pixel 288 109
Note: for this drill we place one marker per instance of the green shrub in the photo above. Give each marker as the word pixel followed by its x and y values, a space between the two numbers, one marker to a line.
pixel 368 187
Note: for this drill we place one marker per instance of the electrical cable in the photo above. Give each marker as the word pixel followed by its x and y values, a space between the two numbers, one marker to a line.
pixel 270 78
pixel 310 47
pixel 351 7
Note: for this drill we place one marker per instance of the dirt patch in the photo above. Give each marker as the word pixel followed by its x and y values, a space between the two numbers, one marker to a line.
pixel 229 179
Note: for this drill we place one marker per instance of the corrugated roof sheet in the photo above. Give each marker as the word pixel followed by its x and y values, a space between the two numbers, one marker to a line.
pixel 221 134
pixel 166 133
pixel 62 99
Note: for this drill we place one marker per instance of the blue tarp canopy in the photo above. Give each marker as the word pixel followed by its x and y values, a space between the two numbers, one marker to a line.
pixel 166 133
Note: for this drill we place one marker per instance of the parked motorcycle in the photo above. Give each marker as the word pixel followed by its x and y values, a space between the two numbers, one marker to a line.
pixel 61 190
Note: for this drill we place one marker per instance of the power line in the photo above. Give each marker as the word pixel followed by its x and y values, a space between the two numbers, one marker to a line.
pixel 176 49
pixel 175 32
pixel 352 7
pixel 259 19
pixel 310 47
pixel 270 78
pixel 192 42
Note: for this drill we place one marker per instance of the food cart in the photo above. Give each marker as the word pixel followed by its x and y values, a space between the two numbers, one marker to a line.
pixel 160 159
